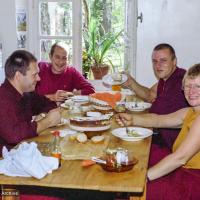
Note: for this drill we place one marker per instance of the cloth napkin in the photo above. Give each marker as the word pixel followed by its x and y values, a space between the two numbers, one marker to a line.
pixel 110 98
pixel 26 161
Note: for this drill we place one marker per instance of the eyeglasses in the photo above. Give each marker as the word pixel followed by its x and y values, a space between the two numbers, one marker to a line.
pixel 195 87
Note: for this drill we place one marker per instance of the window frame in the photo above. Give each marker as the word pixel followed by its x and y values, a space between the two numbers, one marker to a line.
pixel 34 33
pixel 130 27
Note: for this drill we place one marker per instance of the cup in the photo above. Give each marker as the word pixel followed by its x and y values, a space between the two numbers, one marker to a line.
pixel 75 110
pixel 116 87
pixel 117 78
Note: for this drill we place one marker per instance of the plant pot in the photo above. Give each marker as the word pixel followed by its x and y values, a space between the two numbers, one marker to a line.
pixel 100 71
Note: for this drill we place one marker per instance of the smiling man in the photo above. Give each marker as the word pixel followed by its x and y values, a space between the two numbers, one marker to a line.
pixel 166 95
pixel 58 80
pixel 19 103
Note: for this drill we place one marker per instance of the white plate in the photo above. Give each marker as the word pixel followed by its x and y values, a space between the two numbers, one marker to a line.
pixel 121 133
pixel 79 128
pixel 80 98
pixel 108 79
pixel 67 103
pixel 137 106
pixel 93 114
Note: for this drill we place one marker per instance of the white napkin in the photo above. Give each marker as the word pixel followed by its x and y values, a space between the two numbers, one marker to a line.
pixel 26 161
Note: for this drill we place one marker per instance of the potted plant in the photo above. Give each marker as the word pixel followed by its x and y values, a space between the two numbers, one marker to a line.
pixel 97 46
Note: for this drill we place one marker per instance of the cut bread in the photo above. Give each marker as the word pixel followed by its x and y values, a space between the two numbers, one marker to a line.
pixel 97 139
pixel 81 137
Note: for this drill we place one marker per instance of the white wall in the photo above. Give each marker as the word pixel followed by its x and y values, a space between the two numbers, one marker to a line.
pixel 8 30
pixel 173 21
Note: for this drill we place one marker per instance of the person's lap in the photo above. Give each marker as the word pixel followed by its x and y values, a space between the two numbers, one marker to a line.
pixel 179 185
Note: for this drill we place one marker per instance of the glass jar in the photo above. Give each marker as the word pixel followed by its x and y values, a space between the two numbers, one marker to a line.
pixel 75 110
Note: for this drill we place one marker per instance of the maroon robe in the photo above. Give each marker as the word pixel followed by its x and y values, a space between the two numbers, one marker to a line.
pixel 182 184
pixel 170 98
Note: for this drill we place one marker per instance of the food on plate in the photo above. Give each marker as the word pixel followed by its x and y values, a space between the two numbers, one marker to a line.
pixel 133 133
pixel 117 77
pixel 137 105
pixel 105 99
pixel 97 139
pixel 120 107
pixel 81 137
pixel 90 121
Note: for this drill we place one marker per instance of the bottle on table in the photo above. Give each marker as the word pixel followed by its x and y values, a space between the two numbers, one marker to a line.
pixel 55 146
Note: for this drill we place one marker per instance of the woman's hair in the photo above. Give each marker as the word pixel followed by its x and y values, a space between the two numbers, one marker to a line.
pixel 18 61
pixel 192 72
pixel 165 46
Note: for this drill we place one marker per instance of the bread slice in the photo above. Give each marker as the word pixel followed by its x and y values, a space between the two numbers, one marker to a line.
pixel 98 138
pixel 81 137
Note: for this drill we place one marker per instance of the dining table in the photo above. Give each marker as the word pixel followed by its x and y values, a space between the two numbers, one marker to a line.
pixel 72 175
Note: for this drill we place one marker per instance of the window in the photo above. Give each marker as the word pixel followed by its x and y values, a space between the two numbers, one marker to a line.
pixel 55 21
pixel 61 20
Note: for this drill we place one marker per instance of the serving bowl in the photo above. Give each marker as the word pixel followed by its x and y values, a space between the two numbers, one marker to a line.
pixel 118 160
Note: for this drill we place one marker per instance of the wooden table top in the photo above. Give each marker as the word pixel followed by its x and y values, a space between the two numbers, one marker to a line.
pixel 72 175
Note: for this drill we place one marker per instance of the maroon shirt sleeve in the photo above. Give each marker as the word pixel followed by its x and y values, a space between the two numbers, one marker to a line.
pixel 16 117
pixel 14 127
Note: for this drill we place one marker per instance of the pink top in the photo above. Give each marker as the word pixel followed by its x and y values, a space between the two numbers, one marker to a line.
pixel 69 80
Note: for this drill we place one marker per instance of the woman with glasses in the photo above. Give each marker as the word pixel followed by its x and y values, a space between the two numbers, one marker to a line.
pixel 177 174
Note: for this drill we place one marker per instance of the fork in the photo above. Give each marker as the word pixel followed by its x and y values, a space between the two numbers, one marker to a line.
pixel 127 130
pixel 125 126
pixel 136 103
